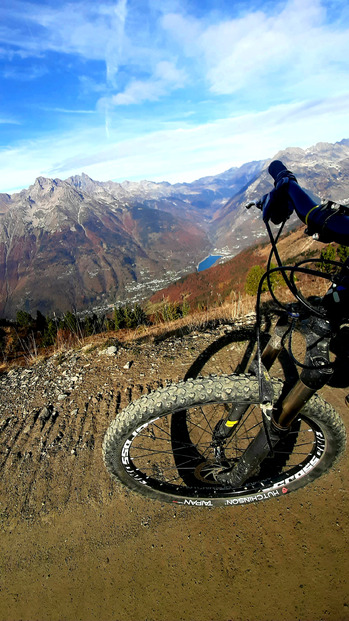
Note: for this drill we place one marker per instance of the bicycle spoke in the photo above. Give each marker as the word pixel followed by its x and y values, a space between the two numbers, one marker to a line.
pixel 170 459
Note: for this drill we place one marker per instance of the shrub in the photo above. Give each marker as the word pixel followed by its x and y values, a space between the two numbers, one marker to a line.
pixel 254 276
pixel 24 319
pixel 129 317
pixel 343 252
pixel 328 254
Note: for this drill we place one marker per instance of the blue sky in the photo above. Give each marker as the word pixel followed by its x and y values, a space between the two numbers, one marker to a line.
pixel 166 89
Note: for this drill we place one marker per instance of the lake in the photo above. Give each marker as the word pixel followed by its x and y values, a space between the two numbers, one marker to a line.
pixel 208 262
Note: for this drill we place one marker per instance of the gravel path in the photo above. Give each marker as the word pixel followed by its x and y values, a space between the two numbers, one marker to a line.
pixel 74 546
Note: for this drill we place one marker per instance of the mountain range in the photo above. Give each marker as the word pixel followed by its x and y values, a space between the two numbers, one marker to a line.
pixel 79 243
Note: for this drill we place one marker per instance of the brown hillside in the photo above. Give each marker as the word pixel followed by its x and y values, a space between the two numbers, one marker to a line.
pixel 218 282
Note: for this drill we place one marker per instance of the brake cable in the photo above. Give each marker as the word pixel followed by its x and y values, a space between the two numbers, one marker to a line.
pixel 294 290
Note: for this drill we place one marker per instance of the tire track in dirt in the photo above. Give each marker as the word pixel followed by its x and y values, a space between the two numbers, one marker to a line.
pixel 53 420
pixel 108 409
pixel 44 425
pixel 10 446
pixel 74 456
pixel 54 455
pixel 17 473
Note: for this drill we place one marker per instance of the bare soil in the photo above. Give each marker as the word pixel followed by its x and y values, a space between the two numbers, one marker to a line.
pixel 75 546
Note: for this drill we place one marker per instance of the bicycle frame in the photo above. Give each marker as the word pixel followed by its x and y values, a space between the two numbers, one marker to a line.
pixel 317 330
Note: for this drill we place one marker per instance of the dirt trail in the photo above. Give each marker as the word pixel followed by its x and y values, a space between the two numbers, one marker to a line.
pixel 76 547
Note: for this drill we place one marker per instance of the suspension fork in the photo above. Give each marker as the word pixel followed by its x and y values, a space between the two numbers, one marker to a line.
pixel 316 373
pixel 226 427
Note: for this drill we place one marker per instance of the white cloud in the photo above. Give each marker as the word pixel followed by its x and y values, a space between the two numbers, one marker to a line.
pixel 177 154
pixel 286 53
pixel 165 79
pixel 263 51
pixel 92 30
pixel 287 47
pixel 33 73
pixel 6 120
pixel 68 110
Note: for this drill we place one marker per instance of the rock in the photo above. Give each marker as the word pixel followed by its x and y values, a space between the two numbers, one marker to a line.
pixel 86 348
pixel 45 413
pixel 109 351
pixel 128 364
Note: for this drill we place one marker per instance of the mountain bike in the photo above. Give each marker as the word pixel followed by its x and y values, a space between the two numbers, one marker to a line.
pixel 239 439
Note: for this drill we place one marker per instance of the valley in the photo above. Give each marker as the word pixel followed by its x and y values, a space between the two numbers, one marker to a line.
pixel 82 244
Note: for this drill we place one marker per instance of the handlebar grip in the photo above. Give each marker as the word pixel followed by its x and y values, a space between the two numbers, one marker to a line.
pixel 275 168
pixel 329 221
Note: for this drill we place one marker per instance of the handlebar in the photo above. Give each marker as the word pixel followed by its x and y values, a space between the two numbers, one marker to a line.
pixel 327 221
pixel 275 168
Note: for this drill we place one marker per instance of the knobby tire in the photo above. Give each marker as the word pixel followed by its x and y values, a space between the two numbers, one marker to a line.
pixel 160 446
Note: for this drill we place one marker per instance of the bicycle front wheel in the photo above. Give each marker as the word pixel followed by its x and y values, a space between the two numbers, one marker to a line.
pixel 161 445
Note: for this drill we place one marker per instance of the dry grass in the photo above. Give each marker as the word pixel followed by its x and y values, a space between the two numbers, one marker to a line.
pixel 230 311
pixel 233 310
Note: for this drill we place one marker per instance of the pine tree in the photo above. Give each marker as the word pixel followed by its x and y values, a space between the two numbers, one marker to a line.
pixel 40 322
pixel 50 333
pixel 24 319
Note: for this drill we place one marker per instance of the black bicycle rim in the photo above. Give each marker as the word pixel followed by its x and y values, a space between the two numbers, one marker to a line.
pixel 148 458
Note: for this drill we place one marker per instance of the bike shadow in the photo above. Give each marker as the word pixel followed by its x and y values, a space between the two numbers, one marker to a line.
pixel 290 371
pixel 239 334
